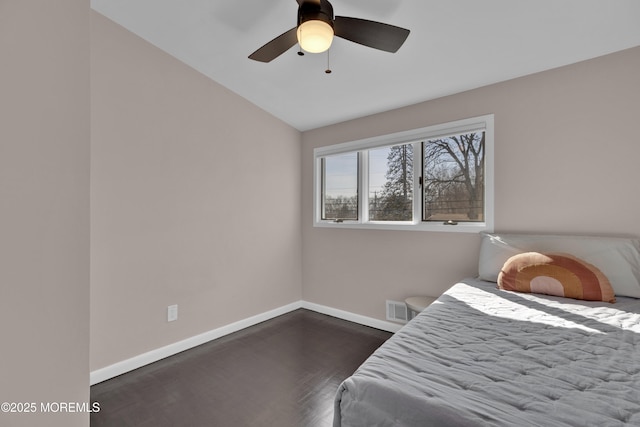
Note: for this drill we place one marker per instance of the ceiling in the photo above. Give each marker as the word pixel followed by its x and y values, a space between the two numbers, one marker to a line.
pixel 454 45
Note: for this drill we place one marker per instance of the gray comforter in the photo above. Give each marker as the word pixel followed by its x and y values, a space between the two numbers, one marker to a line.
pixel 480 356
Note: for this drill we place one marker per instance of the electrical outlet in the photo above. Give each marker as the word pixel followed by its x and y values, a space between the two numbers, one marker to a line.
pixel 172 313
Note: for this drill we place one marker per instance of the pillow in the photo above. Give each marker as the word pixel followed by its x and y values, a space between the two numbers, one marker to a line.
pixel 562 275
pixel 618 258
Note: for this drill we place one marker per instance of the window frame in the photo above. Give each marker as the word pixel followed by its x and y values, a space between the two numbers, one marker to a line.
pixel 416 137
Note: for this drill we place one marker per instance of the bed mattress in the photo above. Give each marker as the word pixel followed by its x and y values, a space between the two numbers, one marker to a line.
pixel 481 356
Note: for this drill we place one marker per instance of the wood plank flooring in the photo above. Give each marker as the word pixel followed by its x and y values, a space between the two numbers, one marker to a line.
pixel 283 372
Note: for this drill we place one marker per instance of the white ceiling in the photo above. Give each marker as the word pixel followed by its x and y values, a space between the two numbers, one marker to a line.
pixel 454 45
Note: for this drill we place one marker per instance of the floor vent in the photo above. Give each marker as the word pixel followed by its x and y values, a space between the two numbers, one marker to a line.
pixel 397 311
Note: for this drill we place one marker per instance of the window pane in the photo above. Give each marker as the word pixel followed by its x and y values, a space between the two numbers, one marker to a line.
pixel 454 178
pixel 391 183
pixel 340 186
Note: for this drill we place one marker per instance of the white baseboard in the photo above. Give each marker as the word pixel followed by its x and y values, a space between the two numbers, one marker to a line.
pixel 352 317
pixel 136 362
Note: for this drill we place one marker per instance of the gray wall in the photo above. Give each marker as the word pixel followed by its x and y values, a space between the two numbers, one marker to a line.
pixel 566 161
pixel 44 213
pixel 195 201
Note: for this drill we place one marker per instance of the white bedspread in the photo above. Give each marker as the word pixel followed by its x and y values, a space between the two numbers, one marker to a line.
pixel 481 356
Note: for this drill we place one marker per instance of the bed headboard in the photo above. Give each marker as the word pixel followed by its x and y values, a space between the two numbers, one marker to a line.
pixel 617 257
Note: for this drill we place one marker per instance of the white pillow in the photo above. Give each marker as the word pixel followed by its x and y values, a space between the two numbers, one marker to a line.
pixel 617 257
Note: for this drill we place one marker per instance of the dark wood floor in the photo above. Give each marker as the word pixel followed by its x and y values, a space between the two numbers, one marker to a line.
pixel 283 372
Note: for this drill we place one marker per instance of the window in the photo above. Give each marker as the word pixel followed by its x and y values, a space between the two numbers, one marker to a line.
pixel 453 177
pixel 340 187
pixel 391 183
pixel 436 178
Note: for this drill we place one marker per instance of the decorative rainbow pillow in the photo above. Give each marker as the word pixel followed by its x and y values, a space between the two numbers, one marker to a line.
pixel 561 275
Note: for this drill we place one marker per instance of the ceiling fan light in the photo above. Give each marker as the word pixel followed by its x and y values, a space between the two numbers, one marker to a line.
pixel 315 36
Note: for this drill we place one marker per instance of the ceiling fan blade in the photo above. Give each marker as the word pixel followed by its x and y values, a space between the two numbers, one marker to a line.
pixel 275 47
pixel 317 2
pixel 370 33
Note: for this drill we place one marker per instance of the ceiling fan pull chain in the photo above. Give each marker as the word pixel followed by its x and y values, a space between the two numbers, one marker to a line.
pixel 328 70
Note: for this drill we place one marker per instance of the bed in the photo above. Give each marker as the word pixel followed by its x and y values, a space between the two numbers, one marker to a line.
pixel 481 355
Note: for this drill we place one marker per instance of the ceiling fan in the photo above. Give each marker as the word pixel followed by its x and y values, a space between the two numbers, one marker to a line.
pixel 317 26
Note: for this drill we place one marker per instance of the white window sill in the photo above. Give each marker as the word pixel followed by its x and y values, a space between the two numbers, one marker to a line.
pixel 461 227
